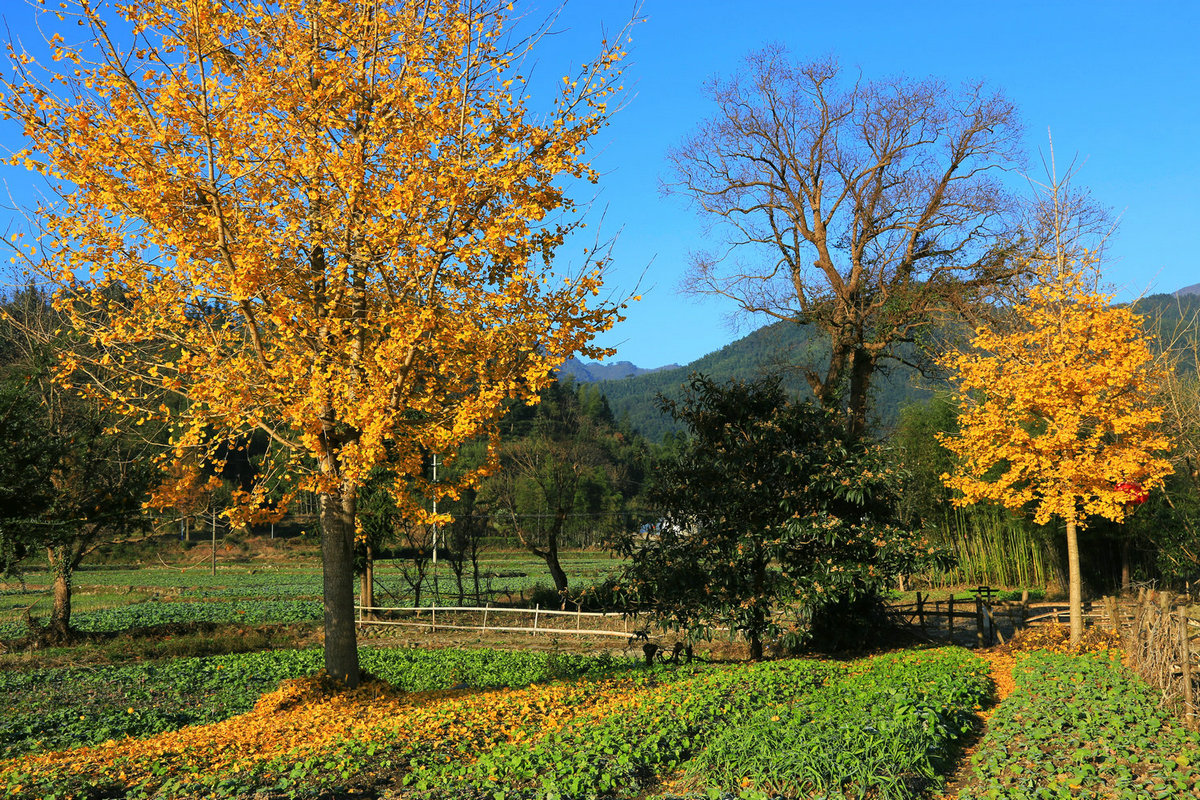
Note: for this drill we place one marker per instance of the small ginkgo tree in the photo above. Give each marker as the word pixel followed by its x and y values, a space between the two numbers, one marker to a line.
pixel 329 226
pixel 1056 413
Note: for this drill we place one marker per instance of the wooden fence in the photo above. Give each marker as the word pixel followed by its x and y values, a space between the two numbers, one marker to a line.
pixel 1157 633
pixel 1158 637
pixel 957 619
pixel 977 620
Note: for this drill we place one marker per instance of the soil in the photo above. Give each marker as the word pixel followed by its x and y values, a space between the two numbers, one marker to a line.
pixel 717 650
pixel 49 648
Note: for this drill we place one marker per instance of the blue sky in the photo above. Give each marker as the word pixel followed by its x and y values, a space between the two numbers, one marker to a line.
pixel 1117 83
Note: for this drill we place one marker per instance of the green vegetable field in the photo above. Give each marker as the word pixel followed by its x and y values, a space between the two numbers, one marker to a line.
pixel 885 727
pixel 118 599
pixel 1082 726
pixel 483 723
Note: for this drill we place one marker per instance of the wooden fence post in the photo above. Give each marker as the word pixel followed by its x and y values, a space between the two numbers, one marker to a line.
pixel 1165 618
pixel 978 621
pixel 921 611
pixel 950 616
pixel 486 609
pixel 1143 624
pixel 1185 661
pixel 536 610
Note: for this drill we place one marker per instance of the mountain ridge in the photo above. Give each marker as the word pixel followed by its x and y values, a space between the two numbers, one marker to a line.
pixel 592 371
pixel 780 346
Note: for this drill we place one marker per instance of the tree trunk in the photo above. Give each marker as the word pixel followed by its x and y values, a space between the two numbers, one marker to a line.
pixel 62 566
pixel 556 571
pixel 551 557
pixel 337 555
pixel 457 565
pixel 367 592
pixel 475 565
pixel 756 646
pixel 827 389
pixel 758 617
pixel 861 369
pixel 1074 583
pixel 1126 572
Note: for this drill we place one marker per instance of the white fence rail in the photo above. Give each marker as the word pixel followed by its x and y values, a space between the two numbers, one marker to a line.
pixel 464 618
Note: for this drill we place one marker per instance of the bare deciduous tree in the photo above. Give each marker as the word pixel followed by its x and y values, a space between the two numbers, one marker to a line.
pixel 876 207
pixel 1179 395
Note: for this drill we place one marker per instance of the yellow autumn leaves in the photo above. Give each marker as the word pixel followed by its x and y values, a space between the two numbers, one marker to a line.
pixel 304 719
pixel 327 225
pixel 1057 412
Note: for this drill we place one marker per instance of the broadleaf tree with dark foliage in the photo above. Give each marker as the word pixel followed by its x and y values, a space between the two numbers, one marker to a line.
pixel 770 518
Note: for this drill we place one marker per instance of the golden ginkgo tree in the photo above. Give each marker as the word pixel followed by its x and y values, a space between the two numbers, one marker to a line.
pixel 1056 413
pixel 322 226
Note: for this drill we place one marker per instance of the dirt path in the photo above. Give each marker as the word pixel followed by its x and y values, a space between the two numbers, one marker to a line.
pixel 1002 676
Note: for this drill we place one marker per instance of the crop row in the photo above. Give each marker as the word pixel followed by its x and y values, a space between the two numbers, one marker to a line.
pixel 54 709
pixel 881 727
pixel 1082 726
pixel 241 581
pixel 155 612
pixel 277 594
pixel 268 584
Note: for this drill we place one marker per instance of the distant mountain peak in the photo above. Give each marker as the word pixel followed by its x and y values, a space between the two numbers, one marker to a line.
pixel 592 371
pixel 1193 289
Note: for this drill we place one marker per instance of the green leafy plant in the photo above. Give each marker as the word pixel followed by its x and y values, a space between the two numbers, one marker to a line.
pixel 1082 726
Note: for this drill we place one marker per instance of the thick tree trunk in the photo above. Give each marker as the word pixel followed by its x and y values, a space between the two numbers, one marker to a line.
pixel 758 616
pixel 861 369
pixel 1074 583
pixel 827 389
pixel 556 572
pixel 848 365
pixel 62 566
pixel 756 646
pixel 337 555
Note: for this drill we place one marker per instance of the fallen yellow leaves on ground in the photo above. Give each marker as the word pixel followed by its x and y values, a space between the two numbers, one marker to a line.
pixel 1057 639
pixel 310 717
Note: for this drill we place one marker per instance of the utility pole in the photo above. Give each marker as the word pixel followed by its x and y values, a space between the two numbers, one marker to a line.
pixel 214 540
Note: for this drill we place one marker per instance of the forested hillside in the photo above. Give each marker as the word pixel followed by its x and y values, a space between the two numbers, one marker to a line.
pixel 778 347
pixel 782 345
pixel 1172 318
